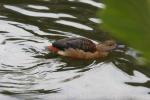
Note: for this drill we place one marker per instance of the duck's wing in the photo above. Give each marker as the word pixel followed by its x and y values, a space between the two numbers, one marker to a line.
pixel 75 43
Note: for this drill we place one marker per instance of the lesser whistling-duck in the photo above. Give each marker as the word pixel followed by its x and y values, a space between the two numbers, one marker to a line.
pixel 82 48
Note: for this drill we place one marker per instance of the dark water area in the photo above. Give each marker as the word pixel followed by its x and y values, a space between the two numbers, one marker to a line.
pixel 29 72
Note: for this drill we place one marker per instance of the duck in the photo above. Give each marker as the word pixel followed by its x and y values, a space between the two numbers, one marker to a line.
pixel 82 48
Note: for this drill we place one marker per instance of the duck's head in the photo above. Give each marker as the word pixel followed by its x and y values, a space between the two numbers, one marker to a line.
pixel 107 45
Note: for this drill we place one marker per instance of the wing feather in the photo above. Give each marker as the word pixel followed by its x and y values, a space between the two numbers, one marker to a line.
pixel 75 43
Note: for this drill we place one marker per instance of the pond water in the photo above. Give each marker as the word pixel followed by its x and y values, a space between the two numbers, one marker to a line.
pixel 29 72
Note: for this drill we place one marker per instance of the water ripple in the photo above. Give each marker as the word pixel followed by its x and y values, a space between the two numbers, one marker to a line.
pixel 29 71
pixel 74 24
pixel 93 3
pixel 38 7
pixel 37 14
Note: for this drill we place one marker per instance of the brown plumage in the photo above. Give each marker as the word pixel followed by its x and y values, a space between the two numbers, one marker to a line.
pixel 82 48
pixel 75 43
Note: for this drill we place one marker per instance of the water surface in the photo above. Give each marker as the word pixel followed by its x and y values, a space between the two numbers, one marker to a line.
pixel 28 71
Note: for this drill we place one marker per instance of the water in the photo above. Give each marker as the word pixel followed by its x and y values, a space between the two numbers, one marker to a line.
pixel 29 72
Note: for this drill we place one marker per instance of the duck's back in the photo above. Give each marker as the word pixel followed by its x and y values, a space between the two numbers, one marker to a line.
pixel 75 43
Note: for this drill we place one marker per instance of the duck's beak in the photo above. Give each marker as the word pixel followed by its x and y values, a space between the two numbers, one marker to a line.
pixel 119 48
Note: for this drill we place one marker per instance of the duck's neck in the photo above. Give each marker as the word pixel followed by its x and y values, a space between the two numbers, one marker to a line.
pixel 100 48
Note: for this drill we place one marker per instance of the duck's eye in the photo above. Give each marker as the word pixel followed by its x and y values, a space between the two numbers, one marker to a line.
pixel 110 44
